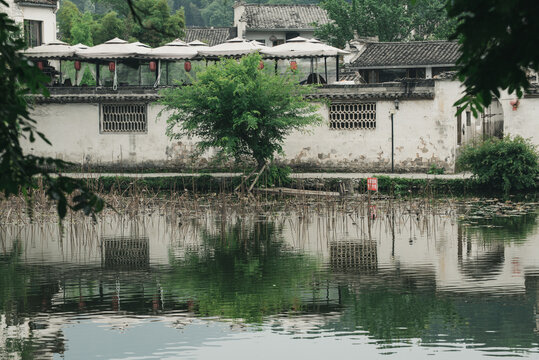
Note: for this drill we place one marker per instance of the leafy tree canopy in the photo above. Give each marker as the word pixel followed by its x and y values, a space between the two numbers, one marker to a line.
pixel 390 20
pixel 18 171
pixel 238 108
pixel 499 44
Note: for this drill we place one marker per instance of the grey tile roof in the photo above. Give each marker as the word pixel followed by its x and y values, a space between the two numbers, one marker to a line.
pixel 211 36
pixel 413 53
pixel 283 16
pixel 46 3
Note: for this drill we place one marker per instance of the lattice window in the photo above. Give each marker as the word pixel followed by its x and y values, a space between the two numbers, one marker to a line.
pixel 124 118
pixel 349 116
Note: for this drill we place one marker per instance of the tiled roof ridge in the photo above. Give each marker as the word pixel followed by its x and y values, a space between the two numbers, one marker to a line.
pixel 281 5
pixel 412 42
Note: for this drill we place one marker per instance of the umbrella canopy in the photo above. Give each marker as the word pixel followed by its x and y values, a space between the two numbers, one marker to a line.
pixel 80 46
pixel 114 49
pixel 197 43
pixel 232 47
pixel 53 50
pixel 176 49
pixel 301 47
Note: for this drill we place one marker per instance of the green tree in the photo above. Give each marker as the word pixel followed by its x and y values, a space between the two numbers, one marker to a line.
pixel 390 20
pixel 19 78
pixel 498 44
pixel 239 109
pixel 218 13
pixel 67 15
pixel 81 31
pixel 157 26
pixel 109 27
pixel 504 165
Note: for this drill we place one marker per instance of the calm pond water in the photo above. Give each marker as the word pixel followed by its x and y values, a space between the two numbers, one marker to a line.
pixel 314 281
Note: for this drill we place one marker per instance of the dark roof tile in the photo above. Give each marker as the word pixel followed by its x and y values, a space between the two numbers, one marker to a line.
pixel 413 53
pixel 283 16
pixel 211 36
pixel 47 3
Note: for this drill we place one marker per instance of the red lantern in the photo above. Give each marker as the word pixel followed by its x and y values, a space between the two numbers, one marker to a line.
pixel 112 66
pixel 187 66
pixel 40 65
pixel 261 65
pixel 153 66
pixel 293 65
pixel 77 65
pixel 515 103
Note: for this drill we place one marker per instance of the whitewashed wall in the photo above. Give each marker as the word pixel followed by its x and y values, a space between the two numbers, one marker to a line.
pixel 47 15
pixel 425 133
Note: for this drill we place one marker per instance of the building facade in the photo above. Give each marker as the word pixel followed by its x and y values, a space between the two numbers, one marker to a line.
pixel 37 18
pixel 274 24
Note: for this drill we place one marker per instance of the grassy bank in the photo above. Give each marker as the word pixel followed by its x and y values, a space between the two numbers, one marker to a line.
pixel 208 184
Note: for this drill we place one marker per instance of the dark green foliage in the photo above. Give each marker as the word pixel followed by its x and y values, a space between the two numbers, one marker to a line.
pixel 240 110
pixel 150 21
pixel 390 20
pixel 19 78
pixel 499 43
pixel 507 165
pixel 435 170
pixel 275 175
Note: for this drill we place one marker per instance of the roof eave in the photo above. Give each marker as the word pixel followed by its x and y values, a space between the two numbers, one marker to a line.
pixel 30 4
pixel 381 67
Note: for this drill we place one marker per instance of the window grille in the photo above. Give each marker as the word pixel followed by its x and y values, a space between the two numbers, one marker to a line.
pixel 124 118
pixel 349 116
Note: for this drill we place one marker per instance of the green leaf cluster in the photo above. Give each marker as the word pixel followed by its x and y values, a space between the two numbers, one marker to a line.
pixel 390 20
pixel 240 109
pixel 498 45
pixel 19 78
pixel 157 25
pixel 508 164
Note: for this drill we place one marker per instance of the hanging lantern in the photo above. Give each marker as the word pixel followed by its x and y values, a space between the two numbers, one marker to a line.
pixel 77 65
pixel 261 65
pixel 40 65
pixel 293 65
pixel 112 66
pixel 153 66
pixel 515 103
pixel 187 66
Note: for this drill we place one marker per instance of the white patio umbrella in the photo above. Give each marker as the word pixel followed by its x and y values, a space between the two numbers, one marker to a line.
pixel 197 43
pixel 54 50
pixel 175 50
pixel 302 47
pixel 114 49
pixel 233 47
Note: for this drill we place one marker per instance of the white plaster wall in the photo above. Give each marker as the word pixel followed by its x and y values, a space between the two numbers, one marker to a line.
pixel 424 133
pixel 523 121
pixel 73 129
pixel 45 14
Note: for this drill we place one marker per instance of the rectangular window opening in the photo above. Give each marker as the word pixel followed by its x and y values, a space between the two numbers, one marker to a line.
pixel 124 118
pixel 346 116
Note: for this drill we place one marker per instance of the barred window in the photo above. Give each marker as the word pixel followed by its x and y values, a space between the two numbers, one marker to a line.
pixel 349 116
pixel 124 118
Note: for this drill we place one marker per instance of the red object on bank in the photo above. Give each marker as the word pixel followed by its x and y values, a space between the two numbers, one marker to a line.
pixel 372 184
pixel 40 65
pixel 153 66
pixel 293 65
pixel 77 65
pixel 187 66
pixel 112 66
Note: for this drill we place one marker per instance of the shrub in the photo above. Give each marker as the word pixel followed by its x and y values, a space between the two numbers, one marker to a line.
pixel 508 164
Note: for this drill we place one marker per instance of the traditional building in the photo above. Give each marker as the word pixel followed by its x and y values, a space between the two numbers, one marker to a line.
pixel 210 35
pixel 274 24
pixel 37 17
pixel 378 62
